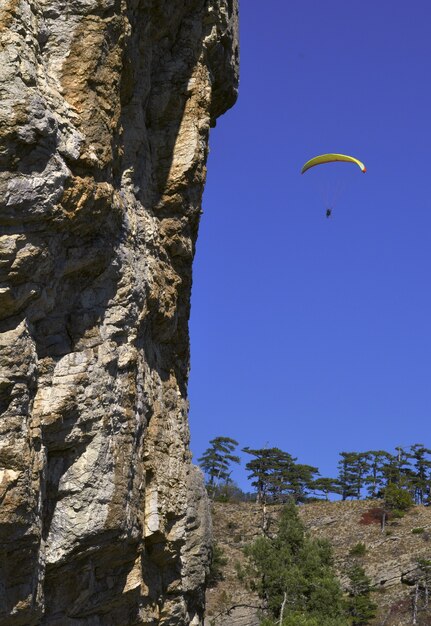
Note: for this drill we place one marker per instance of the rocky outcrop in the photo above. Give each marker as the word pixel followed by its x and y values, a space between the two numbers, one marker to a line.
pixel 106 109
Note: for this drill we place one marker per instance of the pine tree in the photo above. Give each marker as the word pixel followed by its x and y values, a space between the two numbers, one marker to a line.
pixel 390 469
pixel 375 479
pixel 301 479
pixel 420 481
pixel 217 459
pixel 397 469
pixel 361 467
pixel 270 472
pixel 360 607
pixel 294 575
pixel 326 486
pixel 348 475
pixel 422 580
pixel 276 476
pixel 404 471
pixel 397 498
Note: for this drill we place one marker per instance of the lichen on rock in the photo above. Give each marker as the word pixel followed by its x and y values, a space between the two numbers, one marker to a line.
pixel 104 123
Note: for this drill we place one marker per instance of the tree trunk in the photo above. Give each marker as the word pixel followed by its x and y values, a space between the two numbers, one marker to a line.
pixel 383 521
pixel 282 609
pixel 264 518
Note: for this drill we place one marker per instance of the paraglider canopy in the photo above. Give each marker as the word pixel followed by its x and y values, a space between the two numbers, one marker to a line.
pixel 330 158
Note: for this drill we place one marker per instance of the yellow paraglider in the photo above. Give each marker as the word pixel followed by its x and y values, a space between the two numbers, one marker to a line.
pixel 330 158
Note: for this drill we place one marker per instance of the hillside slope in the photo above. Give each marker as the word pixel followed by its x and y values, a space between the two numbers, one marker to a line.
pixel 389 560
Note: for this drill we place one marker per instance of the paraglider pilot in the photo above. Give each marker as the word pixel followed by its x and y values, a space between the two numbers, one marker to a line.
pixel 330 158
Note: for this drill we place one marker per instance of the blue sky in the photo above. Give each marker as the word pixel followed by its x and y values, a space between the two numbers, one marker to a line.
pixel 307 333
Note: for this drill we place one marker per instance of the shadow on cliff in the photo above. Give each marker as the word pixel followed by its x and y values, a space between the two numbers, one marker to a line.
pixel 167 56
pixel 174 45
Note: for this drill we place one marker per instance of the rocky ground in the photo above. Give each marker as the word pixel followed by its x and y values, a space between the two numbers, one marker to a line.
pixel 389 559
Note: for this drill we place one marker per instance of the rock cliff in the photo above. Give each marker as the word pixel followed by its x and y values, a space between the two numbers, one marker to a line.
pixel 105 112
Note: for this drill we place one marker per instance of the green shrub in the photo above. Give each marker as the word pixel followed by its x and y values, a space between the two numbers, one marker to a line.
pixel 226 492
pixel 418 531
pixel 397 498
pixel 358 550
pixel 397 514
pixel 218 560
pixel 240 572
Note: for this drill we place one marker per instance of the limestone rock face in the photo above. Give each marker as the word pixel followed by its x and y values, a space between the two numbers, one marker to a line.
pixel 105 111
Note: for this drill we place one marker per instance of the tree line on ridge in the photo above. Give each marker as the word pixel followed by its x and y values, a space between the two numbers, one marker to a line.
pixel 293 573
pixel 276 476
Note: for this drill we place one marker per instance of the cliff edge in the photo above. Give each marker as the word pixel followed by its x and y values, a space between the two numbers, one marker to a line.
pixel 106 110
